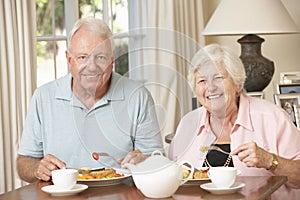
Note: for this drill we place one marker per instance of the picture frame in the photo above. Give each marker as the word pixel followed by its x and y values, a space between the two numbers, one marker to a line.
pixel 288 88
pixel 289 77
pixel 297 115
pixel 288 102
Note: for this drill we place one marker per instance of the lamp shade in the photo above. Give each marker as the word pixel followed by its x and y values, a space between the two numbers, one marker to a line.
pixel 239 17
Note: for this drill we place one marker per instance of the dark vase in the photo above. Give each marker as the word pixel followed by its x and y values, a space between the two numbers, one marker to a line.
pixel 259 70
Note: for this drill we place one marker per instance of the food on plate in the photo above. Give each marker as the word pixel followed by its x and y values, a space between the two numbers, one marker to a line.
pixel 198 174
pixel 185 173
pixel 202 173
pixel 86 170
pixel 99 174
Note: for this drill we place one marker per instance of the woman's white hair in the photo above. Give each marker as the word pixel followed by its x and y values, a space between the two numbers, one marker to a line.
pixel 94 25
pixel 220 56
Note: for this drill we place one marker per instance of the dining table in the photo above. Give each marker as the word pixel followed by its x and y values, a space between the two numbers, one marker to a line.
pixel 256 188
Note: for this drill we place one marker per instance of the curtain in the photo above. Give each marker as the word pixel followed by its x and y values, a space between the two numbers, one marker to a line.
pixel 163 39
pixel 17 82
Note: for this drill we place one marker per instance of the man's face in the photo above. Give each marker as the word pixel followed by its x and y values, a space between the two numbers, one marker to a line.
pixel 90 61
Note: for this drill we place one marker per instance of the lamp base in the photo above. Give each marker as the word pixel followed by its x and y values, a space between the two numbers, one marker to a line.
pixel 259 70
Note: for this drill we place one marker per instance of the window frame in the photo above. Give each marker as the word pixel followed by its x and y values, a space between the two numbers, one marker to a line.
pixel 71 11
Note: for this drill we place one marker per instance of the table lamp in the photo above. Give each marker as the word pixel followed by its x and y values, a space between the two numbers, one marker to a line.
pixel 252 18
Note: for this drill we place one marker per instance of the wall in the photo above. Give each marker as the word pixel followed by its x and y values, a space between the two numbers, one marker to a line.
pixel 283 50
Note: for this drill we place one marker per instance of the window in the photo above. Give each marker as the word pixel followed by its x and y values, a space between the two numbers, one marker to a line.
pixel 55 18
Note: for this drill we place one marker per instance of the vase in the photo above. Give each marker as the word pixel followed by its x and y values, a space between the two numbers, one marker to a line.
pixel 259 70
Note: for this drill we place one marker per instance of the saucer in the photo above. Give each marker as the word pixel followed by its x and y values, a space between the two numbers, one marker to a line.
pixel 212 188
pixel 54 191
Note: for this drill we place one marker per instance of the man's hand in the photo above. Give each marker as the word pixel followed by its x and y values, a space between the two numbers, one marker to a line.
pixel 46 166
pixel 133 157
pixel 31 169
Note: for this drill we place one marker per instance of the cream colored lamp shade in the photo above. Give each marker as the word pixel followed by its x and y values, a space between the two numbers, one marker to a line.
pixel 251 17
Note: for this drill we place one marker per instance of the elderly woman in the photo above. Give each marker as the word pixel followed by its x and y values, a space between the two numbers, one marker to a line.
pixel 231 128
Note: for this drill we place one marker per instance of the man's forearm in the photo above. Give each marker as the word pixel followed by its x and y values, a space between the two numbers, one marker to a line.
pixel 27 167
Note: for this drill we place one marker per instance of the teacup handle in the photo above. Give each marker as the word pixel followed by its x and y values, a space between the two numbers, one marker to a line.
pixel 190 167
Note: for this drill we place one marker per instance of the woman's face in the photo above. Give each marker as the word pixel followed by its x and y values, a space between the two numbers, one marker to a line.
pixel 215 89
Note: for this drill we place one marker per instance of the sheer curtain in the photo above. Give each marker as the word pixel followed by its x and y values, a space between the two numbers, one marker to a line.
pixel 17 81
pixel 164 37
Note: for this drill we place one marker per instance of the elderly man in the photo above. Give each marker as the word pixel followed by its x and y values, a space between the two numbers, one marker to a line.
pixel 92 109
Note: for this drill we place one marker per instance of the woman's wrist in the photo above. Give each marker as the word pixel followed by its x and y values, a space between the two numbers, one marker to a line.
pixel 274 163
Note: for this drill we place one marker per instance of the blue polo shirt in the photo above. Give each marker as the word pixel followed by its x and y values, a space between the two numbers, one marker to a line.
pixel 58 123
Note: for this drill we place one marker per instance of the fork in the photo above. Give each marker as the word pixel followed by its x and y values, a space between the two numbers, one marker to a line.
pixel 218 149
pixel 97 155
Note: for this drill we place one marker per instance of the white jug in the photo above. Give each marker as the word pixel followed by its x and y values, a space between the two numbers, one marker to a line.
pixel 157 176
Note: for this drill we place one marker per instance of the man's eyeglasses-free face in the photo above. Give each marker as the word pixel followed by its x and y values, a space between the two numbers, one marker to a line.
pixel 101 59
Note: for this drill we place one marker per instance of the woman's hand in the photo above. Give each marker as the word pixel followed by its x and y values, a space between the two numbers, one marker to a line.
pixel 253 156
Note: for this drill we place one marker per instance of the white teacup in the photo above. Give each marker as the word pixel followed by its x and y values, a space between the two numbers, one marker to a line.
pixel 64 179
pixel 222 177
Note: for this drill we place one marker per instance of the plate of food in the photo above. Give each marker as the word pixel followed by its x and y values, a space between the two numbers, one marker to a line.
pixel 199 176
pixel 102 177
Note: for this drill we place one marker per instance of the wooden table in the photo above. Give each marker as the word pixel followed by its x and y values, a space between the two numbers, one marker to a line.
pixel 257 187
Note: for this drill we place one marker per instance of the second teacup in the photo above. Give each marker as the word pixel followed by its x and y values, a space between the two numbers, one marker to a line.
pixel 64 179
pixel 222 177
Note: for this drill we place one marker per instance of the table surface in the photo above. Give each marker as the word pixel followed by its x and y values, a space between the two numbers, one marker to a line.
pixel 257 187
